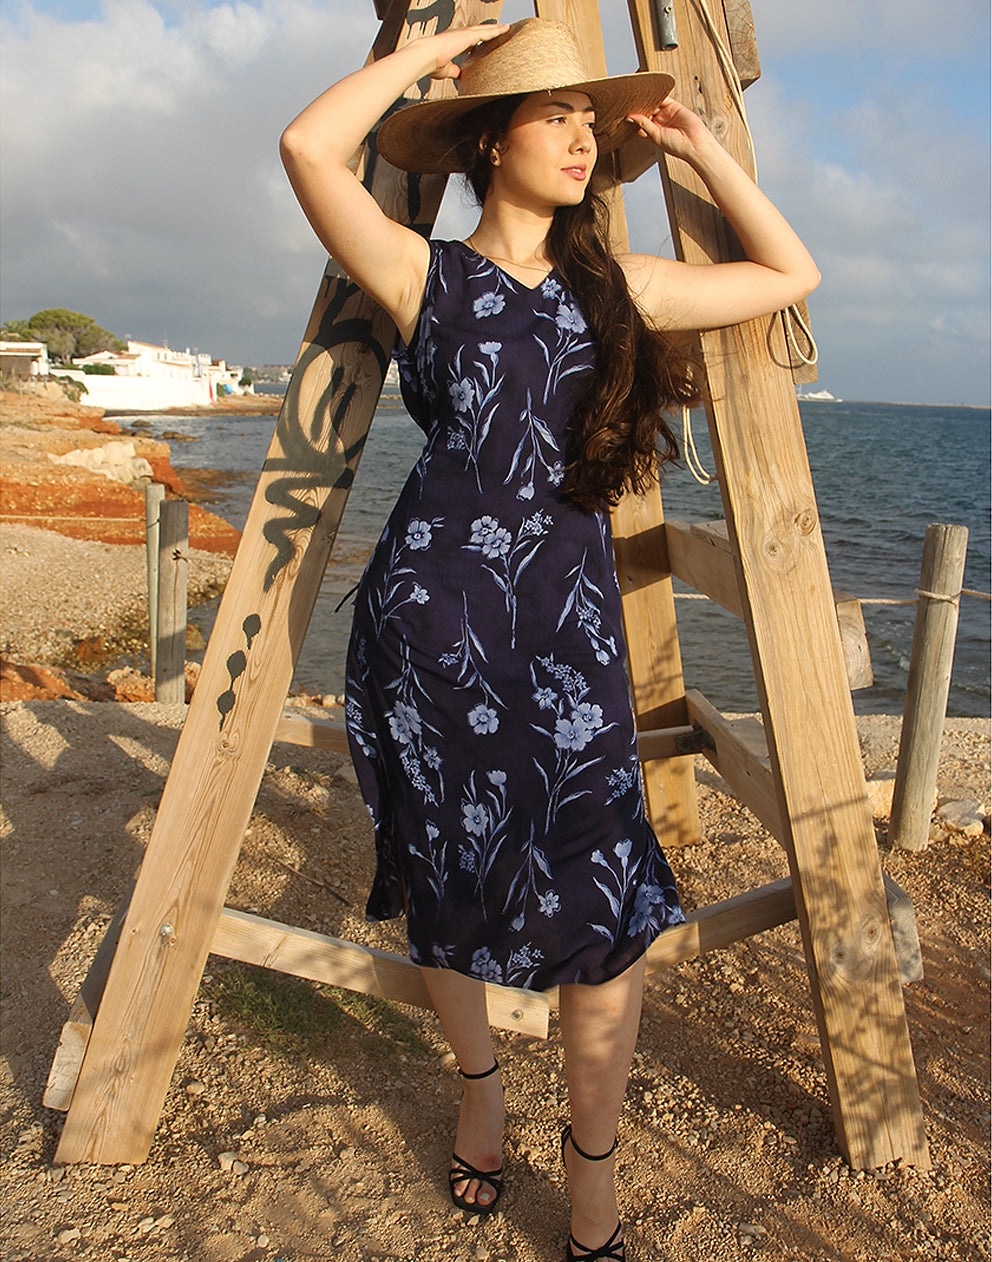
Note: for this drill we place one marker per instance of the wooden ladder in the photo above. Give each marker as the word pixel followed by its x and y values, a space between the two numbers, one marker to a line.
pixel 799 770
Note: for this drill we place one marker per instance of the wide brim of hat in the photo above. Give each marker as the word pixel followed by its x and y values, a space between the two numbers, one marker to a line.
pixel 422 137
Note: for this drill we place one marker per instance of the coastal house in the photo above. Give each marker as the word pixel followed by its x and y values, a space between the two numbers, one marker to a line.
pixel 152 378
pixel 24 359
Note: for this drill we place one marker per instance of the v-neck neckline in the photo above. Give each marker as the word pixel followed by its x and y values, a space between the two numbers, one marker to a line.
pixel 509 275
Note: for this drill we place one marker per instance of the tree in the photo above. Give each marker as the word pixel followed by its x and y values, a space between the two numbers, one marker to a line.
pixel 15 331
pixel 69 334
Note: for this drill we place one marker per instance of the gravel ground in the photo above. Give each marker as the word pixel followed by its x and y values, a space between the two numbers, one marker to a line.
pixel 325 1133
pixel 56 592
pixel 304 1123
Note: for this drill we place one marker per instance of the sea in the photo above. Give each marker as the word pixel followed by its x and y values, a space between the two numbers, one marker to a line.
pixel 881 473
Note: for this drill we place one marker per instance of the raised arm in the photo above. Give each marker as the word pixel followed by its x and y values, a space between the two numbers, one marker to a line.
pixel 778 270
pixel 388 260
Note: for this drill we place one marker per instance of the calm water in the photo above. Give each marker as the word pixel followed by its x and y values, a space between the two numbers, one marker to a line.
pixel 881 473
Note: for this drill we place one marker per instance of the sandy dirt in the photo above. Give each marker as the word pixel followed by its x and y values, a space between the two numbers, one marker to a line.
pixel 338 1112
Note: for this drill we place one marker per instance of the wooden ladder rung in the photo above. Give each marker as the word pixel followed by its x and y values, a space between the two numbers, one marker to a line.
pixel 724 923
pixel 316 731
pixel 702 555
pixel 351 966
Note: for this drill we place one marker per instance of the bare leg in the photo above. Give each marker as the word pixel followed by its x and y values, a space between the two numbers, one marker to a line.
pixel 599 1030
pixel 461 1004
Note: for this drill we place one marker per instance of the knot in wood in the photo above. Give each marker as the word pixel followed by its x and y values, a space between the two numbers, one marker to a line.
pixel 806 521
pixel 719 126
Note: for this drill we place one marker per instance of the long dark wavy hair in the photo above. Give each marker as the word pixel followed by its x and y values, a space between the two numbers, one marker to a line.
pixel 618 437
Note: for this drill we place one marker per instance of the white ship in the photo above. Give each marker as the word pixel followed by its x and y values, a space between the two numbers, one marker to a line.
pixel 817 396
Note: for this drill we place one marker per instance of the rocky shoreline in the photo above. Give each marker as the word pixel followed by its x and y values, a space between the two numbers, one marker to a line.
pixel 68 467
pixel 73 588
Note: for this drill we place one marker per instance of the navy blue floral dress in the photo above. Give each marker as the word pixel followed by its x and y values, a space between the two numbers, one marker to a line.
pixel 487 704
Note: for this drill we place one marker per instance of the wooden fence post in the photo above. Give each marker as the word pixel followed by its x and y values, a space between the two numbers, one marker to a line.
pixel 934 631
pixel 154 495
pixel 170 631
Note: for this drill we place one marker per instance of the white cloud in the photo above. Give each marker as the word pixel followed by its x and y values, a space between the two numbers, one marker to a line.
pixel 142 184
pixel 141 176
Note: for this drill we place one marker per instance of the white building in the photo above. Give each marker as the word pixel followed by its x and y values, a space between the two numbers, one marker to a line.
pixel 154 378
pixel 24 359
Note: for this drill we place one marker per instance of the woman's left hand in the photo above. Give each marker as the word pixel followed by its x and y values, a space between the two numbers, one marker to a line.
pixel 674 128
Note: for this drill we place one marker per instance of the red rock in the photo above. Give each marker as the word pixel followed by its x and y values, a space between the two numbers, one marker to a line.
pixel 77 502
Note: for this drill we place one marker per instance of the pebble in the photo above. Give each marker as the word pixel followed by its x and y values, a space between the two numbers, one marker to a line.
pixel 195 1088
pixel 262 1241
pixel 963 816
pixel 69 1235
pixel 226 1159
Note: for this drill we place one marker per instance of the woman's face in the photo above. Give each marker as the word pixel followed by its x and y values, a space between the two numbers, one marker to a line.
pixel 549 149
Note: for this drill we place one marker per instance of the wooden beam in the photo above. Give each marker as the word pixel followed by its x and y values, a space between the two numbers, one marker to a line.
pixel 724 923
pixel 648 601
pixel 854 641
pixel 312 730
pixel 253 940
pixel 317 732
pixel 773 526
pixel 700 554
pixel 755 911
pixel 246 674
pixel 743 45
pixel 302 953
pixel 76 1032
pixel 740 754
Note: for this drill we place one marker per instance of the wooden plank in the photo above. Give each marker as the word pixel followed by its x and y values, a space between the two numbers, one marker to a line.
pixel 312 730
pixel 723 923
pixel 755 911
pixel 648 600
pixel 771 516
pixel 743 45
pixel 702 556
pixel 302 953
pixel 318 732
pixel 740 754
pixel 246 675
pixel 76 1032
pixel 853 640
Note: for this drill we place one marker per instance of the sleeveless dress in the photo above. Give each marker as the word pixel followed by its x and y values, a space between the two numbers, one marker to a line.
pixel 487 705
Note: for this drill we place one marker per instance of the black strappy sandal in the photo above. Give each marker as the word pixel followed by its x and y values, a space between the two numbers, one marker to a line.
pixel 462 1170
pixel 612 1250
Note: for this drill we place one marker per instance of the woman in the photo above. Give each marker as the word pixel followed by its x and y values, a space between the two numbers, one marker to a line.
pixel 488 710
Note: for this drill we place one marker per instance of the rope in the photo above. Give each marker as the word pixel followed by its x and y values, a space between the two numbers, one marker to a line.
pixel 691 455
pixel 947 600
pixel 874 600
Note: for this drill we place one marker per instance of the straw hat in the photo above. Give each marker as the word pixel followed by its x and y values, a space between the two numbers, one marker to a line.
pixel 534 55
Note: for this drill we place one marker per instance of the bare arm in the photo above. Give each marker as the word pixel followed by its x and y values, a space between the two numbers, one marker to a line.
pixel 388 260
pixel 778 270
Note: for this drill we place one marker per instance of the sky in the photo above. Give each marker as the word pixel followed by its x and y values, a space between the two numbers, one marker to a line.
pixel 140 181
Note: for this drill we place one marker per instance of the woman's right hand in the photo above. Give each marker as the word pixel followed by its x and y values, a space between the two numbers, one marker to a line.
pixel 455 41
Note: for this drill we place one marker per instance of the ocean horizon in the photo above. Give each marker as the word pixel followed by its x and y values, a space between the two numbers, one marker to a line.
pixel 881 473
